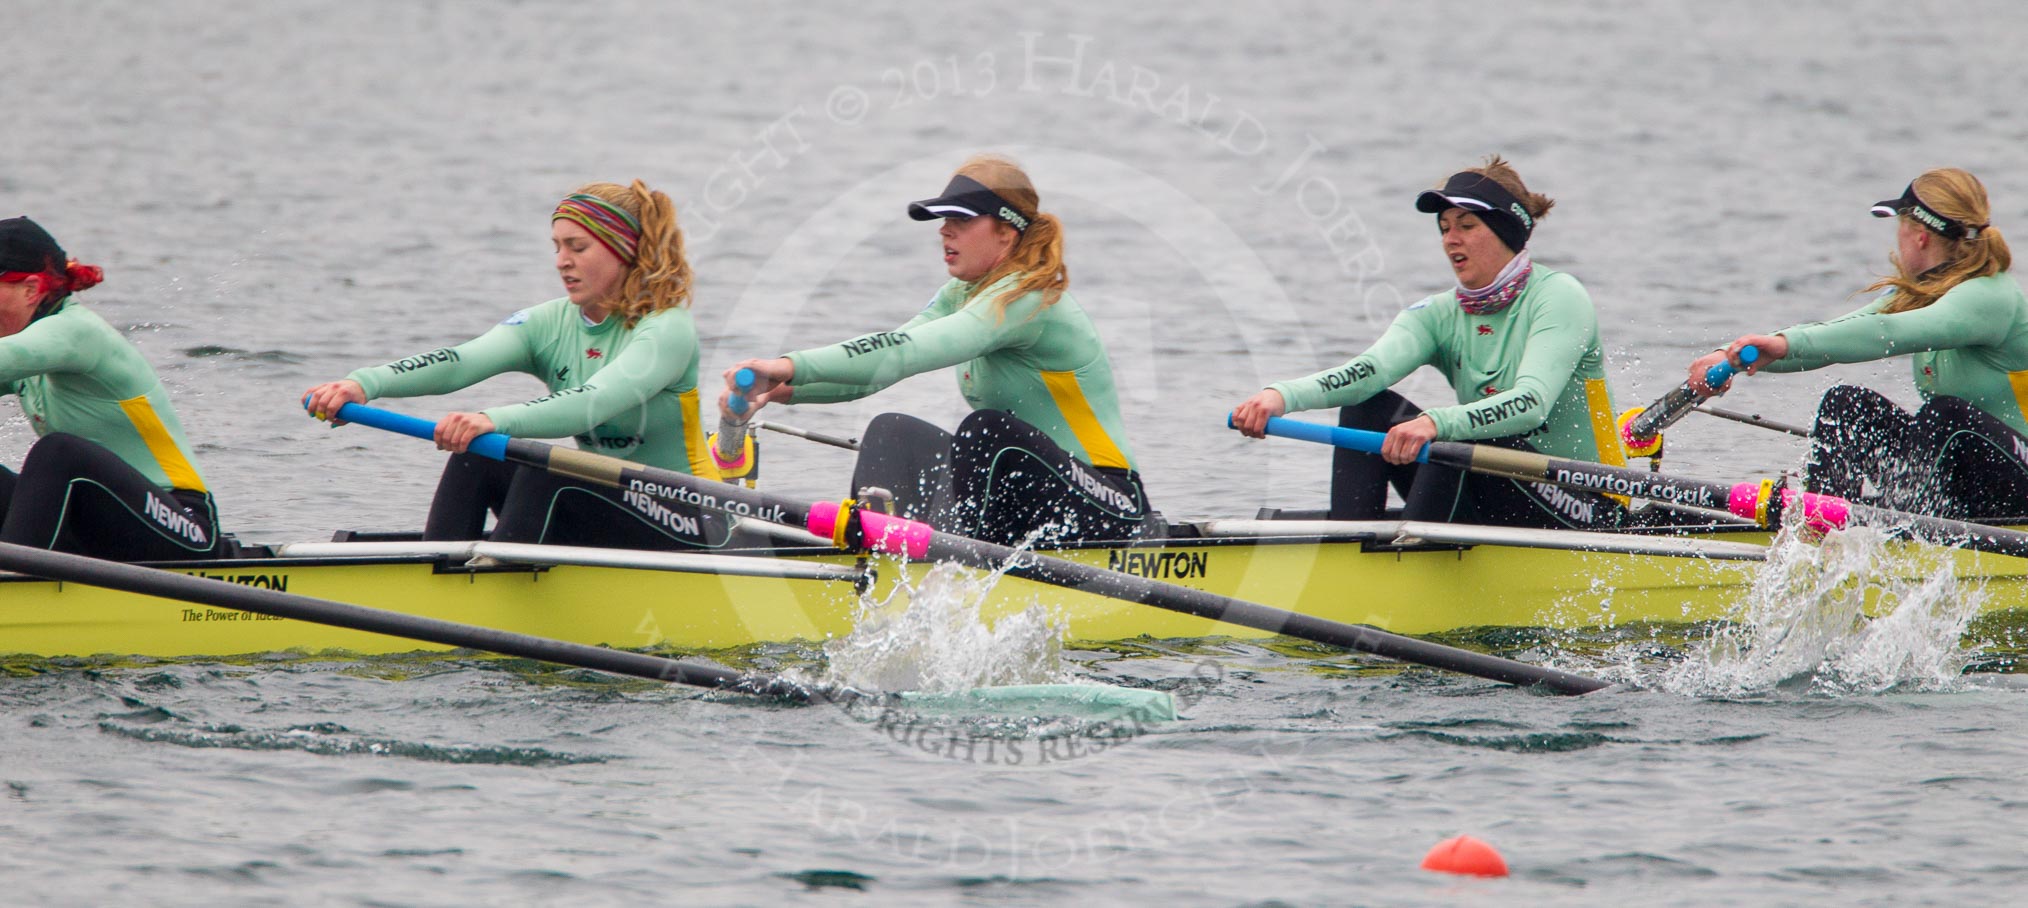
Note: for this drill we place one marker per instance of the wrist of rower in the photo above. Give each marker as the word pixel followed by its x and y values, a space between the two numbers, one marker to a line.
pixel 788 365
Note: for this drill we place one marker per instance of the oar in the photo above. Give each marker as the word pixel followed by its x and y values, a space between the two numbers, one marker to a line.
pixel 1641 427
pixel 849 444
pixel 853 528
pixel 1753 419
pixel 735 455
pixel 732 449
pixel 744 381
pixel 1141 705
pixel 1761 502
pixel 185 588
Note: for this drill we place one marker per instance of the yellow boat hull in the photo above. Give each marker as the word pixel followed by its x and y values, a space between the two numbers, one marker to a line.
pixel 1413 590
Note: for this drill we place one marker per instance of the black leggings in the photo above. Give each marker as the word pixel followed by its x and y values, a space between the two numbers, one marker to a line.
pixel 1359 484
pixel 1008 480
pixel 1005 480
pixel 74 495
pixel 1950 459
pixel 534 506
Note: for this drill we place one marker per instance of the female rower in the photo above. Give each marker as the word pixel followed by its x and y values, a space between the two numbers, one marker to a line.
pixel 111 475
pixel 1520 346
pixel 1953 308
pixel 619 354
pixel 1044 449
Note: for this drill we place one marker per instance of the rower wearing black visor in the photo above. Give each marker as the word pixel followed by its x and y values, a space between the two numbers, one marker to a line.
pixel 1951 307
pixel 1520 345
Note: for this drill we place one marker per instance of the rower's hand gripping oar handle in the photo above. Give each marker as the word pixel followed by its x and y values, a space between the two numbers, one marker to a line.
pixel 733 450
pixel 1722 371
pixel 743 380
pixel 491 445
pixel 1365 440
pixel 1641 428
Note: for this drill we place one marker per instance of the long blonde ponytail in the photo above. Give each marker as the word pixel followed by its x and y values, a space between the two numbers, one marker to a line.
pixel 1957 195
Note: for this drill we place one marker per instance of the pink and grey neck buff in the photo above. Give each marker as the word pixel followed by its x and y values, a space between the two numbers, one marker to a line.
pixel 1503 214
pixel 1502 292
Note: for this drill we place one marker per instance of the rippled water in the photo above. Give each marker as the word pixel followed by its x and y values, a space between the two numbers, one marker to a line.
pixel 282 192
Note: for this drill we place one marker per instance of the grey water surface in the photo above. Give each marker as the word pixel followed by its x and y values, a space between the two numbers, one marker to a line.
pixel 281 192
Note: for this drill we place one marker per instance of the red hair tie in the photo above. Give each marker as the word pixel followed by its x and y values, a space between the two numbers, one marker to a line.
pixel 82 277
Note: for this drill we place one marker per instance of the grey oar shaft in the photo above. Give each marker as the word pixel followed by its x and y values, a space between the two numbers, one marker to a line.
pixel 1975 536
pixel 1755 419
pixel 1664 413
pixel 849 444
pixel 203 591
pixel 989 556
pixel 1673 405
pixel 731 439
pixel 1202 604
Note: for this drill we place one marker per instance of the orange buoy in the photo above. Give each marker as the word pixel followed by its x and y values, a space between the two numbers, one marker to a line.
pixel 1465 855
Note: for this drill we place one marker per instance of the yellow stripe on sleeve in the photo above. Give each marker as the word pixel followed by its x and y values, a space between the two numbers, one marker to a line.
pixel 161 444
pixel 1076 410
pixel 699 451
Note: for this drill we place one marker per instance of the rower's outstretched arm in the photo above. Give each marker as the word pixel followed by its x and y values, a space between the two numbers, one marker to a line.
pixel 1970 315
pixel 863 365
pixel 503 349
pixel 1407 344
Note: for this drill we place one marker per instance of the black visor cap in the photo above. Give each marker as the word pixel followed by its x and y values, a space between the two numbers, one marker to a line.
pixel 965 197
pixel 1911 205
pixel 1484 196
pixel 26 247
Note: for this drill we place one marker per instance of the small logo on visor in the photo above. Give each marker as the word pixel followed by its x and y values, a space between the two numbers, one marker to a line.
pixel 1013 217
pixel 1928 219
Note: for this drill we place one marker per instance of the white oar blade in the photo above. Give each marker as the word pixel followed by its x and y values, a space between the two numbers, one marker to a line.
pixel 1084 701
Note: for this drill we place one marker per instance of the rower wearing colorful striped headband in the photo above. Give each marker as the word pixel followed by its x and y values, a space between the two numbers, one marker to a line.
pixel 618 353
pixel 608 223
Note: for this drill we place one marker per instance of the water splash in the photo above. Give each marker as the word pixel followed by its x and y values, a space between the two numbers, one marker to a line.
pixel 1806 621
pixel 929 636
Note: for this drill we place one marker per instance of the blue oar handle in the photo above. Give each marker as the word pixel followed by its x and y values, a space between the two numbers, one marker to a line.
pixel 743 382
pixel 491 445
pixel 730 445
pixel 1722 371
pixel 1641 429
pixel 1365 440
